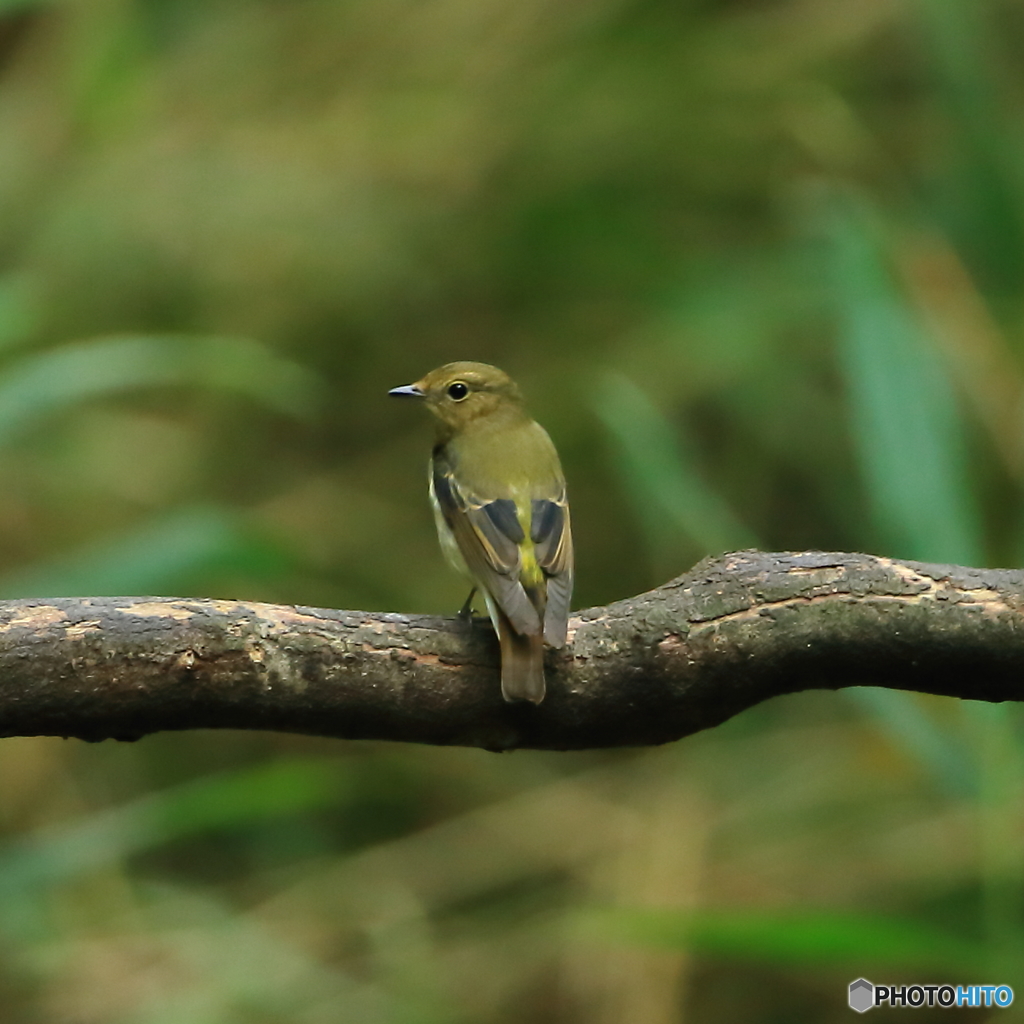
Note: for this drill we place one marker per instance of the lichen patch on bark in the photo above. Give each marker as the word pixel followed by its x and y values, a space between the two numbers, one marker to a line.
pixel 158 609
pixel 33 617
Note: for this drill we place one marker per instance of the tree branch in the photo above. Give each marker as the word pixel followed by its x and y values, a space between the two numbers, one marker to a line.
pixel 728 634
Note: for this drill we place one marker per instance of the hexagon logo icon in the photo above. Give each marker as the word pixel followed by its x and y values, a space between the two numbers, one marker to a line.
pixel 862 995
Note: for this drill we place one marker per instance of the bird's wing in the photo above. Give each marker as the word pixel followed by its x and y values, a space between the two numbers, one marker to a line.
pixel 488 534
pixel 552 539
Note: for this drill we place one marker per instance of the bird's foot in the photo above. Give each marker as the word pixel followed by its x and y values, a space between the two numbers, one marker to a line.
pixel 466 611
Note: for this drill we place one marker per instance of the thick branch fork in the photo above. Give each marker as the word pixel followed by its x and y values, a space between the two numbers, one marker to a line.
pixel 728 634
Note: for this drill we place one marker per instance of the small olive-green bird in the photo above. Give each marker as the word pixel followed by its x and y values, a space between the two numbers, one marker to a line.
pixel 501 512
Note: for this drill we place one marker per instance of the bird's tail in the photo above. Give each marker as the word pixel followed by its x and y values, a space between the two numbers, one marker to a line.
pixel 522 663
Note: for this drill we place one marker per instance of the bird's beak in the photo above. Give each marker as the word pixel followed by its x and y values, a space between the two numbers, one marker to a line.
pixel 407 391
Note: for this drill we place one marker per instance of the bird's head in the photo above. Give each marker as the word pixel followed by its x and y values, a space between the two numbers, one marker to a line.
pixel 459 393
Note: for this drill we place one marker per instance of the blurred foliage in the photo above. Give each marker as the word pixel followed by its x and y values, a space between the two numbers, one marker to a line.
pixel 758 267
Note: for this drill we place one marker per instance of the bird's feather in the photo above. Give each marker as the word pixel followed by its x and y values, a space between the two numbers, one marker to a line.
pixel 492 557
pixel 552 540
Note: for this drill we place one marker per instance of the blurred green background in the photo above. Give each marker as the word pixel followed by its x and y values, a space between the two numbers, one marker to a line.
pixel 758 267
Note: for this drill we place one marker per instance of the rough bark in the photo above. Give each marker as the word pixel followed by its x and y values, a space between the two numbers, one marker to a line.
pixel 730 633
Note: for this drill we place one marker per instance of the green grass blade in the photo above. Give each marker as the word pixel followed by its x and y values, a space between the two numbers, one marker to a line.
pixel 911 729
pixel 230 800
pixel 799 938
pixel 905 418
pixel 668 493
pixel 149 560
pixel 976 192
pixel 43 384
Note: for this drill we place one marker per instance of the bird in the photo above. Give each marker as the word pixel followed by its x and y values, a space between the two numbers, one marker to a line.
pixel 502 517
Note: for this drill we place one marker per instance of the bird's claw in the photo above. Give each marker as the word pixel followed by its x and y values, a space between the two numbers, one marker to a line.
pixel 466 611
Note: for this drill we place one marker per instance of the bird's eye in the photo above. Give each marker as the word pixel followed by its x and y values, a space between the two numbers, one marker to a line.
pixel 457 391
